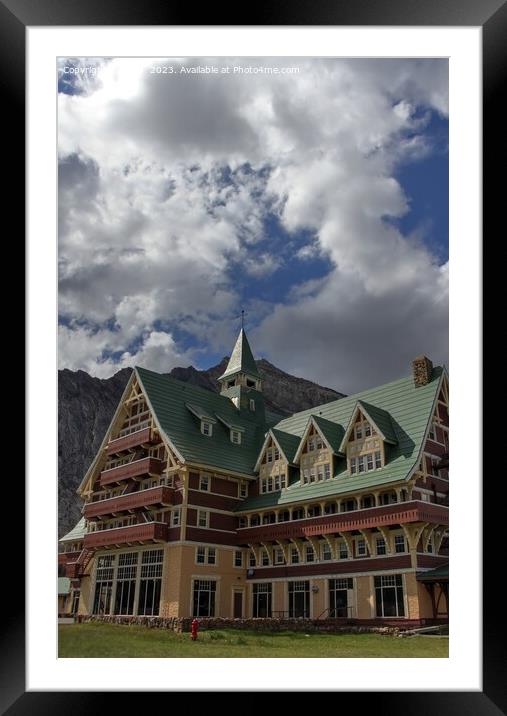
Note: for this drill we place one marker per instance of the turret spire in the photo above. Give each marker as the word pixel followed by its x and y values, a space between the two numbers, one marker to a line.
pixel 241 360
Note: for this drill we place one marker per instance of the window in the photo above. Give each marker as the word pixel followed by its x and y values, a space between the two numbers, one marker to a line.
pixel 243 489
pixel 369 461
pixel 306 475
pixel 269 455
pixel 361 548
pixel 310 554
pixel 298 514
pixel 431 434
pixel 353 465
pixel 202 518
pixel 151 582
pixel 327 471
pixel 326 552
pixel 299 599
pixel 318 442
pixel 252 404
pixel 378 459
pixel 360 463
pixel 204 483
pixel 338 597
pixel 212 555
pixel 126 583
pixel 320 472
pixel 204 598
pixel 103 585
pixel 381 545
pixel 262 594
pixel 282 480
pixel 206 428
pixel 399 543
pixel 294 556
pixel 359 432
pixel 238 558
pixel 276 482
pixel 269 483
pixel 236 437
pixel 242 522
pixel 278 556
pixel 205 555
pixel 311 443
pixel 276 453
pixel 367 430
pixel 251 560
pixel 200 555
pixel 389 596
pixel 265 558
pixel 175 517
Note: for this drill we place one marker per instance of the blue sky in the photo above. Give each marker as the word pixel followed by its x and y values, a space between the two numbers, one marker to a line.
pixel 318 202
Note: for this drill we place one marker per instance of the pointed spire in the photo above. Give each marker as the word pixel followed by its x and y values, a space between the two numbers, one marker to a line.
pixel 241 360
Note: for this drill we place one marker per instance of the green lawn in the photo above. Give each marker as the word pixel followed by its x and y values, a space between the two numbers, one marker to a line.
pixel 103 640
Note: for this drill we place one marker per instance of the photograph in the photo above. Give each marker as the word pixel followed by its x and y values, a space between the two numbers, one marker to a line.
pixel 253 352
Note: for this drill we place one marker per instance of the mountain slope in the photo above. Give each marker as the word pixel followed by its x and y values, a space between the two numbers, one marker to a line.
pixel 86 406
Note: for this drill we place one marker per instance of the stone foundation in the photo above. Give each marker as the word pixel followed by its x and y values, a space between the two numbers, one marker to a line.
pixel 183 624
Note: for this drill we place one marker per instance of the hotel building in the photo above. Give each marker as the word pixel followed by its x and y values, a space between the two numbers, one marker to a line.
pixel 205 504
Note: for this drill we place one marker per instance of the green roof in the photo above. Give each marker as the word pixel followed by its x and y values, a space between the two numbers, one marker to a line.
pixel 169 399
pixel 288 443
pixel 76 533
pixel 63 585
pixel 333 432
pixel 382 420
pixel 433 575
pixel 409 409
pixel 241 360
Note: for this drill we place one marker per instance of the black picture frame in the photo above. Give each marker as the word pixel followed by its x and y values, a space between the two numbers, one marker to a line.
pixel 491 15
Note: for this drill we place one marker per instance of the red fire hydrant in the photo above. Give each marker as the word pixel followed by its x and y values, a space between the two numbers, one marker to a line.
pixel 195 629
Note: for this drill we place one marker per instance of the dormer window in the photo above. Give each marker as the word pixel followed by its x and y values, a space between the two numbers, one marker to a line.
pixel 231 383
pixel 206 428
pixel 235 437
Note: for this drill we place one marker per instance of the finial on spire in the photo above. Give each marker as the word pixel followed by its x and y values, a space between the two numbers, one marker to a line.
pixel 243 312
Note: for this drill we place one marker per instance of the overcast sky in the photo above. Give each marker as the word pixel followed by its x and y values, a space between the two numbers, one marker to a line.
pixel 316 199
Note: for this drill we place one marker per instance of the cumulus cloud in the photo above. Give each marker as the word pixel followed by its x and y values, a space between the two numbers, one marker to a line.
pixel 168 185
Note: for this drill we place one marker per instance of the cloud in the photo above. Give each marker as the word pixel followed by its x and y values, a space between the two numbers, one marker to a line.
pixel 168 190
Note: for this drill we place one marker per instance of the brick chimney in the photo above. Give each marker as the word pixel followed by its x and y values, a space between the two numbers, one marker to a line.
pixel 422 369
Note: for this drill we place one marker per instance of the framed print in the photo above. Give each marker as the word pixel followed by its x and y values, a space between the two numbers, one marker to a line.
pixel 282 200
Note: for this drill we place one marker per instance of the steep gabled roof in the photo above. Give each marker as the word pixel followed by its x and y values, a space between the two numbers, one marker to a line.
pixel 380 419
pixel 169 399
pixel 410 410
pixel 332 432
pixel 287 443
pixel 241 360
pixel 76 533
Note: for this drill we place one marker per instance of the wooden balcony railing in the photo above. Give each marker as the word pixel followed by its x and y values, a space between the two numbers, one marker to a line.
pixel 140 437
pixel 139 468
pixel 160 495
pixel 397 513
pixel 134 534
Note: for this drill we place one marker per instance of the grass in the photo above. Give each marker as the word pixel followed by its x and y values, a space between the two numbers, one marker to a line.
pixel 112 640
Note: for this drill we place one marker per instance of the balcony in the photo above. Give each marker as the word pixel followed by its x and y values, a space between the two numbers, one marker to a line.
pixel 139 437
pixel 134 534
pixel 395 514
pixel 154 496
pixel 140 468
